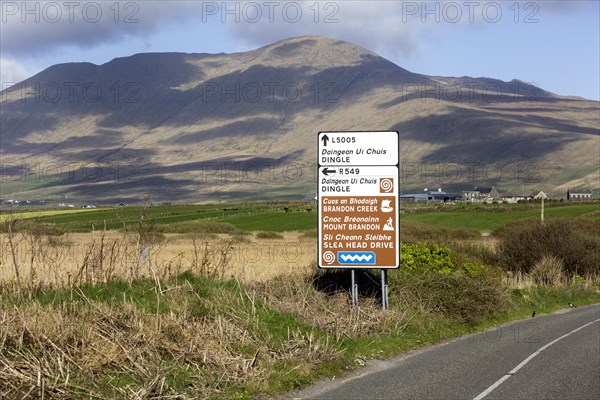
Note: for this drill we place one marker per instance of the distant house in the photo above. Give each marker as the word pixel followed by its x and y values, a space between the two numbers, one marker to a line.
pixel 539 195
pixel 481 195
pixel 430 195
pixel 579 195
pixel 515 198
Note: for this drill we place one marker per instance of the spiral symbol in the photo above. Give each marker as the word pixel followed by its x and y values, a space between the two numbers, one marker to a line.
pixel 328 257
pixel 386 185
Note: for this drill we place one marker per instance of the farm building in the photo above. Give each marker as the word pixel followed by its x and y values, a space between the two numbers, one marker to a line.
pixel 579 195
pixel 430 195
pixel 481 195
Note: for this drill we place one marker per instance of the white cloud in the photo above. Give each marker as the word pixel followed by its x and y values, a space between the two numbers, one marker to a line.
pixel 11 72
pixel 34 28
pixel 390 27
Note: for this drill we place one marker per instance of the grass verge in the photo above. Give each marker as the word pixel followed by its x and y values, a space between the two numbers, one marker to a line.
pixel 192 337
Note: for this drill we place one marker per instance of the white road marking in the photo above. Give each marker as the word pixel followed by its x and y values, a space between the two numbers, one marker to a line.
pixel 525 361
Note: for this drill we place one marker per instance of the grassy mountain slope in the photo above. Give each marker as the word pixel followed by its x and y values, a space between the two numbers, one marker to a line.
pixel 200 127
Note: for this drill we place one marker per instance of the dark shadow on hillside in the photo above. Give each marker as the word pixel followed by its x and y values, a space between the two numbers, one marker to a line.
pixel 475 135
pixel 103 138
pixel 215 165
pixel 550 123
pixel 539 109
pixel 157 187
pixel 475 91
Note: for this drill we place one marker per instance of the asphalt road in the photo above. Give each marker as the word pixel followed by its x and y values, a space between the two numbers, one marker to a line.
pixel 547 357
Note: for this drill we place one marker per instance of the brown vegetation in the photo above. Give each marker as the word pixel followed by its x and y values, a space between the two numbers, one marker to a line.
pixel 574 241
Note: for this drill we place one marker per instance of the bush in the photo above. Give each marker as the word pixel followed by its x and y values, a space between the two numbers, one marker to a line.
pixel 464 298
pixel 473 269
pixel 421 257
pixel 268 235
pixel 575 241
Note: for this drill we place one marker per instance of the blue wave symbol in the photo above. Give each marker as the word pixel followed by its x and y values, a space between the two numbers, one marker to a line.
pixel 356 257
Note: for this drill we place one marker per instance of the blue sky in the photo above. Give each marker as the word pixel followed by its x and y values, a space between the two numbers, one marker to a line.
pixel 554 44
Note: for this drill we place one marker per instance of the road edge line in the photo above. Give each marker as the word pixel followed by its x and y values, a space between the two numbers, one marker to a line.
pixel 525 361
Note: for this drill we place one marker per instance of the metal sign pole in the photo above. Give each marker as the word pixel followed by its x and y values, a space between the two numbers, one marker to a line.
pixel 384 290
pixel 354 290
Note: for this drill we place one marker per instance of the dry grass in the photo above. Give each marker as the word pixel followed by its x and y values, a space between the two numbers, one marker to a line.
pixel 56 261
pixel 330 312
pixel 549 271
pixel 202 347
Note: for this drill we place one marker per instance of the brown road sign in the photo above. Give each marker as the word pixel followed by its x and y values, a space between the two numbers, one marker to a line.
pixel 358 203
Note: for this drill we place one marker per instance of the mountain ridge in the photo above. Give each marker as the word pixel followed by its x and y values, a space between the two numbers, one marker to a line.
pixel 193 122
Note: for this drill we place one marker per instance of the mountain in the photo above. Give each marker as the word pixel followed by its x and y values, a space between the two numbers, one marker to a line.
pixel 206 127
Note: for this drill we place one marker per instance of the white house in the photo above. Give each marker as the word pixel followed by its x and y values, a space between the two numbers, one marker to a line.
pixel 539 195
pixel 481 194
pixel 579 195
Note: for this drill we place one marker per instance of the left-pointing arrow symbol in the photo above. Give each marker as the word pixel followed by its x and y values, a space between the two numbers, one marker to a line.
pixel 328 171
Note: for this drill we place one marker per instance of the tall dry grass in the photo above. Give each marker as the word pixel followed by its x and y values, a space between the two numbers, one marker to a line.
pixel 549 271
pixel 32 260
pixel 89 348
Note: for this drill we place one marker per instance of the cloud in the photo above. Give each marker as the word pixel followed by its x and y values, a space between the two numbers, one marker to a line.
pixel 35 28
pixel 394 29
pixel 11 72
pixel 376 25
pixel 391 27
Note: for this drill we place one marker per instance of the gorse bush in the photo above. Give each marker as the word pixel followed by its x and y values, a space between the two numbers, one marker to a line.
pixel 575 241
pixel 421 257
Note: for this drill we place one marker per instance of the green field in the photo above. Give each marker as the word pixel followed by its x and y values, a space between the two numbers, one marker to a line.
pixel 271 216
pixel 244 216
pixel 492 218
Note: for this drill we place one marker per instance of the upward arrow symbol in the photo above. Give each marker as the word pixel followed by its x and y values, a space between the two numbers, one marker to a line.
pixel 325 139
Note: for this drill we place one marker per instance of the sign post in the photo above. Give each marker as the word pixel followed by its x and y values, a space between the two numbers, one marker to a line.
pixel 358 189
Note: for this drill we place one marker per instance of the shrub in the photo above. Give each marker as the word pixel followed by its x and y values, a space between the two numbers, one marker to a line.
pixel 473 269
pixel 420 257
pixel 268 235
pixel 464 298
pixel 575 241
